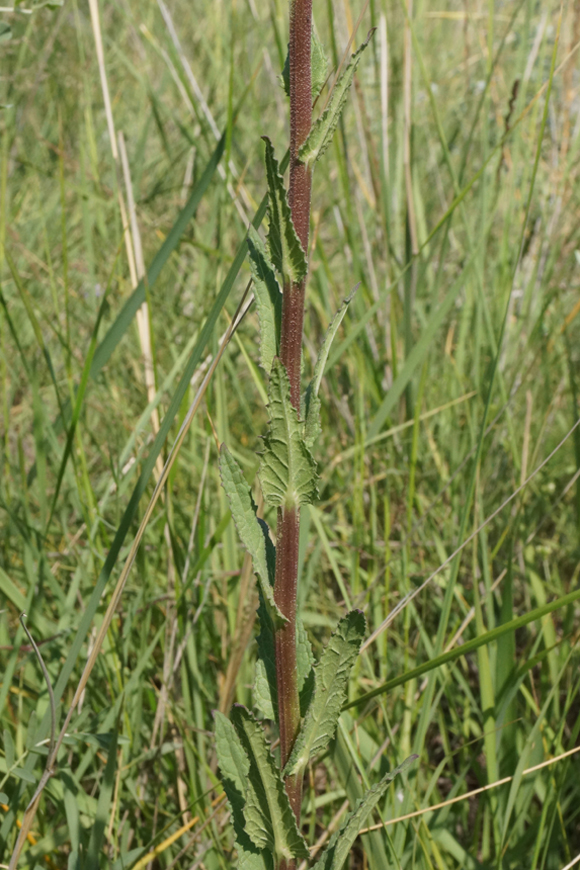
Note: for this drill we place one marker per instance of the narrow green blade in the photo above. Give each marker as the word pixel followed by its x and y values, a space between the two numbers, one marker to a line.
pixel 253 534
pixel 342 841
pixel 330 683
pixel 322 131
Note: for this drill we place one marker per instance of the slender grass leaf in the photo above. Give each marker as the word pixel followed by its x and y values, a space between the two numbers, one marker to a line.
pixel 268 299
pixel 311 401
pixel 31 730
pixel 322 131
pixel 415 357
pixel 118 329
pixel 25 775
pixel 287 470
pixel 319 64
pixel 342 840
pixel 80 395
pixel 267 799
pixel 9 751
pixel 286 252
pixel 11 591
pixel 29 307
pixel 530 743
pixel 103 806
pixel 330 683
pixel 467 647
pixel 73 820
pixel 252 533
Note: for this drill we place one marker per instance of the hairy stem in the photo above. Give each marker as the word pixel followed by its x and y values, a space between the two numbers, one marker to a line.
pixel 285 588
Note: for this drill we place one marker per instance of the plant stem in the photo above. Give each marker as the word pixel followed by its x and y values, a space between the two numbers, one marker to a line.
pixel 285 588
pixel 300 184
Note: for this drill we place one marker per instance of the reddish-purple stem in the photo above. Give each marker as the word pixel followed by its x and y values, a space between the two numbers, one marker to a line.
pixel 285 588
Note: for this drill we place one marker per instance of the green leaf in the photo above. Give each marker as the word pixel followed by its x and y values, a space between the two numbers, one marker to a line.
pixel 232 759
pixel 21 773
pixel 286 252
pixel 287 470
pixel 265 687
pixel 253 533
pixel 322 131
pixel 467 647
pixel 253 859
pixel 330 684
pixel 304 663
pixel 268 299
pixel 235 775
pixel 98 831
pixel 342 840
pixel 270 821
pixel 319 67
pixel 265 693
pixel 311 401
pixel 9 751
pixel 5 31
pixel 125 317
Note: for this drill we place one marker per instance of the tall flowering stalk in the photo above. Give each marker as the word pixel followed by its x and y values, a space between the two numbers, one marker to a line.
pixel 285 587
pixel 264 792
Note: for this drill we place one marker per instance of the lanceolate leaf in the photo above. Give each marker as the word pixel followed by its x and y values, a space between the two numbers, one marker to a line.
pixel 330 684
pixel 322 131
pixel 341 842
pixel 286 252
pixel 270 822
pixel 265 689
pixel 268 299
pixel 235 774
pixel 232 759
pixel 311 401
pixel 287 471
pixel 252 532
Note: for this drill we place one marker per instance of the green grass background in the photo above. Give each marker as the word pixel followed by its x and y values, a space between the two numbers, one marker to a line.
pixel 453 377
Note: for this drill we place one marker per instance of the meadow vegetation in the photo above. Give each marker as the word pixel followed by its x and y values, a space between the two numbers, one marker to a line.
pixel 131 164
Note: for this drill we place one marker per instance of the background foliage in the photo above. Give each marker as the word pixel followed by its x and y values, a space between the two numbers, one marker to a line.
pixel 464 132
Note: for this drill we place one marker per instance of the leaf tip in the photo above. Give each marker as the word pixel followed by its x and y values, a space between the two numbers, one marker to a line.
pixel 370 35
pixel 352 293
